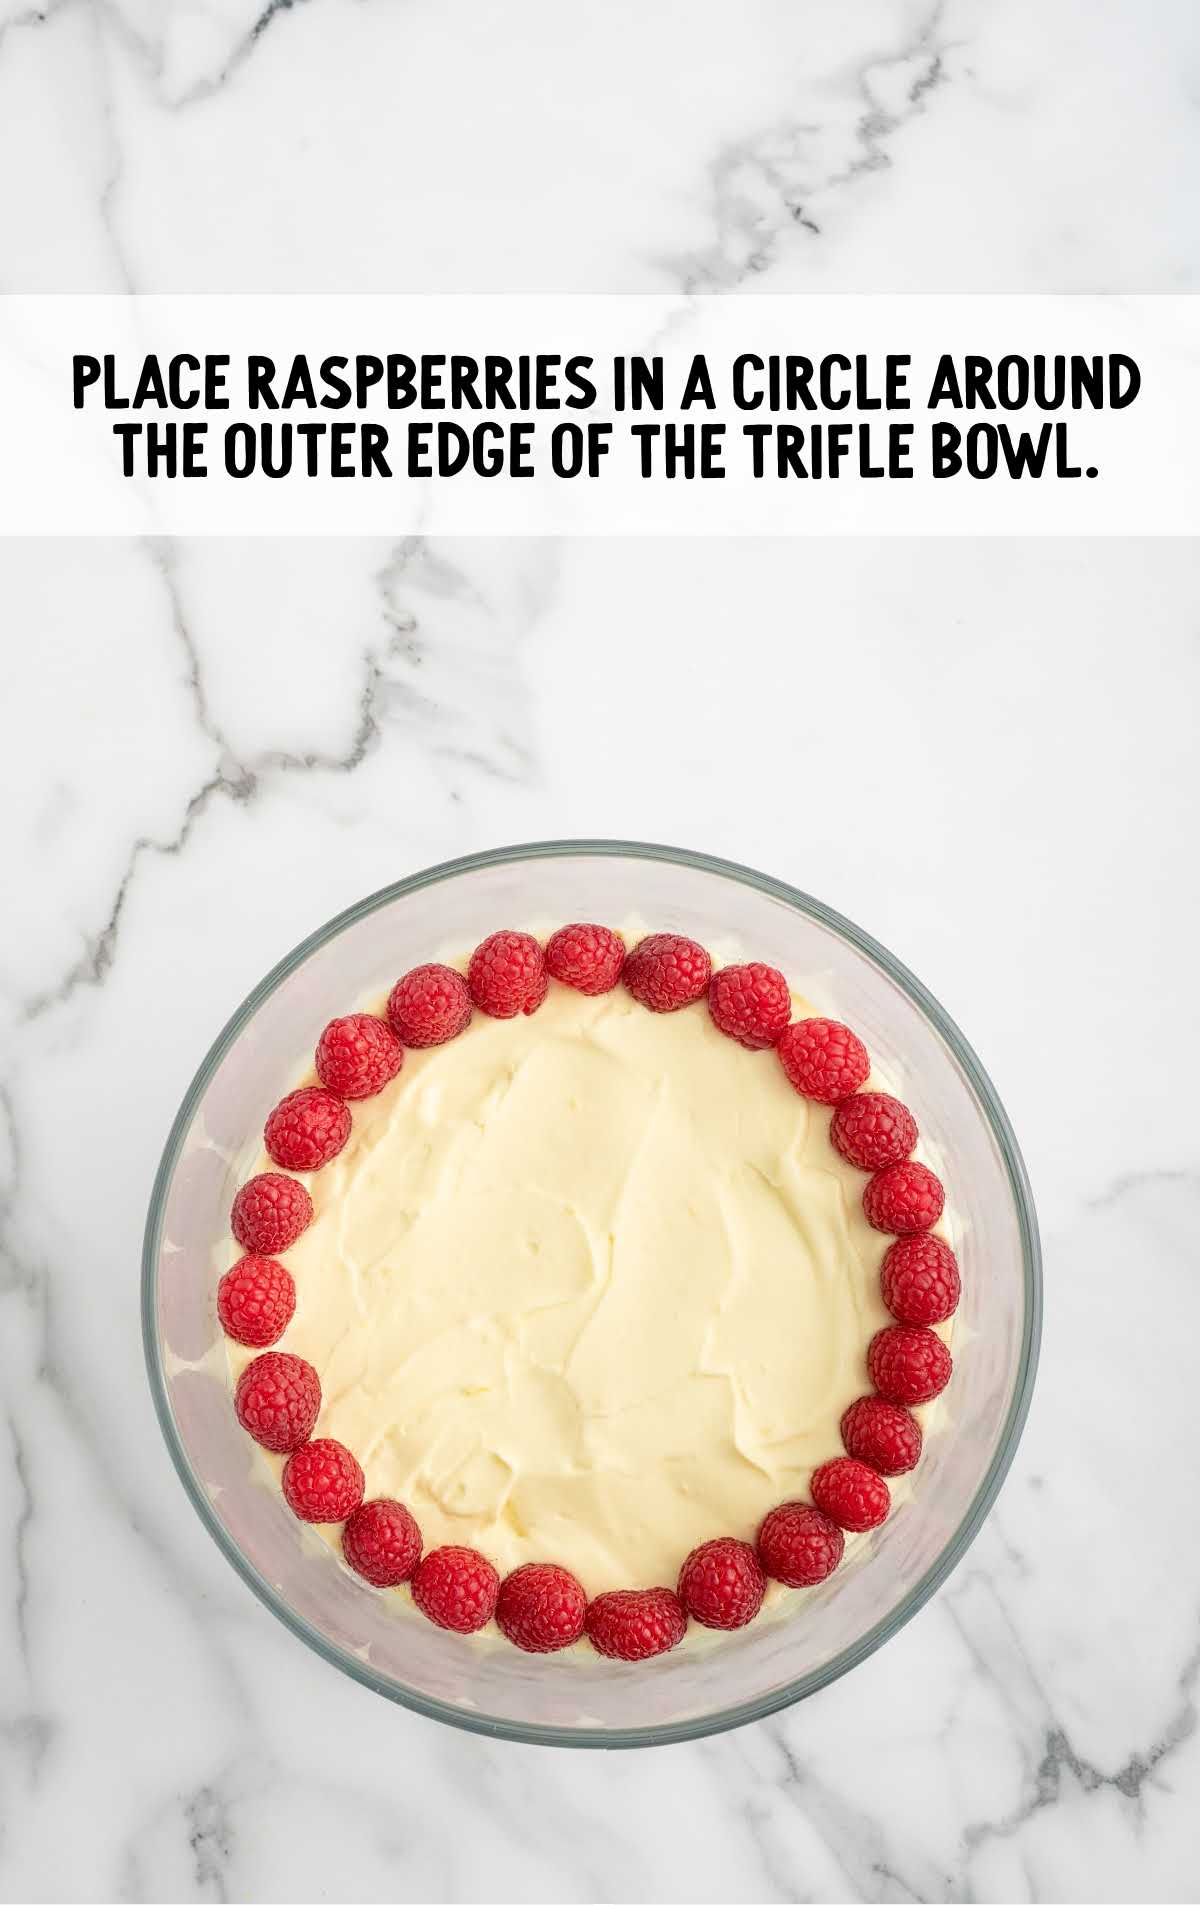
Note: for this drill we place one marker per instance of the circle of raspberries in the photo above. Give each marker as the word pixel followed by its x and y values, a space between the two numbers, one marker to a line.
pixel 382 1542
pixel 635 1623
pixel 751 1004
pixel 306 1129
pixel 919 1279
pixel 665 971
pixel 721 1583
pixel 881 1434
pixel 256 1300
pixel 269 1213
pixel 798 1545
pixel 904 1197
pixel 507 975
pixel 456 1588
pixel 872 1129
pixel 823 1059
pixel 322 1481
pixel 540 1608
pixel 357 1056
pixel 428 1006
pixel 851 1494
pixel 277 1400
pixel 589 958
pixel 908 1365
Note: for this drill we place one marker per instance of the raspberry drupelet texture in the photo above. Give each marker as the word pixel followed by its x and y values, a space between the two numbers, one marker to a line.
pixel 904 1197
pixel 851 1494
pixel 306 1129
pixel 823 1059
pixel 751 1004
pixel 382 1542
pixel 456 1588
pixel 872 1129
pixel 798 1545
pixel 256 1301
pixel 908 1365
pixel 507 975
pixel 881 1434
pixel 357 1056
pixel 277 1400
pixel 636 1623
pixel 919 1279
pixel 428 1006
pixel 541 1608
pixel 721 1583
pixel 589 958
pixel 666 971
pixel 322 1481
pixel 269 1213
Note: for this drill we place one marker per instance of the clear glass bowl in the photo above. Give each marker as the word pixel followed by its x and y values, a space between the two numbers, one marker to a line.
pixel 587 1701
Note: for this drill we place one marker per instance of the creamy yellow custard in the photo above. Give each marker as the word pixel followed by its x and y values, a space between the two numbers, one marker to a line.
pixel 590 1286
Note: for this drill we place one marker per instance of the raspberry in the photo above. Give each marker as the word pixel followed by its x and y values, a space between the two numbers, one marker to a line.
pixel 269 1212
pixel 881 1434
pixel 798 1545
pixel 721 1583
pixel 823 1059
pixel 636 1623
pixel 908 1365
pixel 456 1588
pixel 919 1279
pixel 507 975
pixel 322 1481
pixel 665 971
pixel 358 1056
pixel 277 1400
pixel 255 1301
pixel 429 1005
pixel 873 1129
pixel 851 1494
pixel 541 1608
pixel 589 958
pixel 381 1541
pixel 904 1197
pixel 751 1004
pixel 306 1129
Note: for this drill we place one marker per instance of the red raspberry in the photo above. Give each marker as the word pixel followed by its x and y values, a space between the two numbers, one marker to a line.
pixel 456 1588
pixel 322 1481
pixel 798 1545
pixel 851 1494
pixel 589 958
pixel 277 1400
pixel 665 971
pixel 269 1212
pixel 873 1129
pixel 904 1197
pixel 751 1004
pixel 507 975
pixel 721 1583
pixel 636 1623
pixel 256 1300
pixel 306 1129
pixel 429 1005
pixel 881 1434
pixel 823 1059
pixel 381 1541
pixel 908 1365
pixel 541 1608
pixel 358 1056
pixel 919 1279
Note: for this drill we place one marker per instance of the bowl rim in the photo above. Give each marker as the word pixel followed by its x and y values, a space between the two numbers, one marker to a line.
pixel 954 1550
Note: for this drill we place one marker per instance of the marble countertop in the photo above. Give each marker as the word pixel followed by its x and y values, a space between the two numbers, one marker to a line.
pixel 984 752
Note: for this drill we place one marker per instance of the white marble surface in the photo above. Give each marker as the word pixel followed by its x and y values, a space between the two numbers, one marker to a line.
pixel 985 753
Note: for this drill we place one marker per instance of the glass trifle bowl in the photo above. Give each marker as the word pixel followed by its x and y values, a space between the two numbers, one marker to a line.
pixel 582 1699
